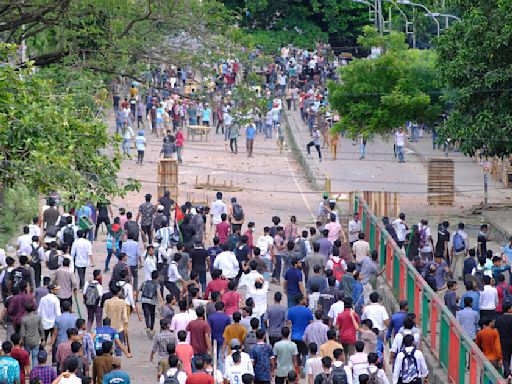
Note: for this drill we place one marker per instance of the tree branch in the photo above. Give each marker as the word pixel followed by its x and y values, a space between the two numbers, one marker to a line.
pixel 132 23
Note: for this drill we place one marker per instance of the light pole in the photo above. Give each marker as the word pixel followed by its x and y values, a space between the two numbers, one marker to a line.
pixel 409 2
pixel 377 6
pixel 437 14
pixel 407 23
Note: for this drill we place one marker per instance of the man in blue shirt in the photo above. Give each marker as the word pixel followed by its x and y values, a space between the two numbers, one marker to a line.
pixel 9 367
pixel 116 376
pixel 397 319
pixel 475 296
pixel 107 333
pixel 250 132
pixel 299 316
pixel 131 248
pixel 293 282
pixel 62 324
pixel 218 321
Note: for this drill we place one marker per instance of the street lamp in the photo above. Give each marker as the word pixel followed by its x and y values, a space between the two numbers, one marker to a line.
pixel 407 23
pixel 437 14
pixel 377 9
pixel 409 2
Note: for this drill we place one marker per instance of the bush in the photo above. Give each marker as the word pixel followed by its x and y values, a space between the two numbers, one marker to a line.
pixel 19 206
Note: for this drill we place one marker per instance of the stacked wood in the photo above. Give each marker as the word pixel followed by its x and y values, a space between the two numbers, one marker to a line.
pixel 441 184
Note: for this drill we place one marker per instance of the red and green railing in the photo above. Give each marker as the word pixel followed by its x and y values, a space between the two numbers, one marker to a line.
pixel 440 331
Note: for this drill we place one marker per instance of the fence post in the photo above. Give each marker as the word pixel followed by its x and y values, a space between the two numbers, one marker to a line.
pixel 454 353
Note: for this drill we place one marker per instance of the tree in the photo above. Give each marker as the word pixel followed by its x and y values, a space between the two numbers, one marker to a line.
pixel 375 96
pixel 475 57
pixel 48 142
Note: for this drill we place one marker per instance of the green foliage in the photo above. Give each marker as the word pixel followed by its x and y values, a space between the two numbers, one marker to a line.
pixel 18 207
pixel 48 142
pixel 375 96
pixel 271 41
pixel 475 57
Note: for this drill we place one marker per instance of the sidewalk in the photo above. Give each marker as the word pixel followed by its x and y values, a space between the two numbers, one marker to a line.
pixel 380 171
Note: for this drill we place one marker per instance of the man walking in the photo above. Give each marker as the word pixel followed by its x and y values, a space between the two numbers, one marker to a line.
pixel 81 252
pixel 145 214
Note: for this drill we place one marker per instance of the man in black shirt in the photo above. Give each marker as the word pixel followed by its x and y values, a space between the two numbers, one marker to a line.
pixel 483 236
pixel 443 240
pixel 199 258
pixel 131 227
pixel 167 203
pixel 504 326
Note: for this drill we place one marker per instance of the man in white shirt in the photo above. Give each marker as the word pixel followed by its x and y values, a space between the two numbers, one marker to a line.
pixel 426 242
pixel 336 308
pixel 81 251
pixel 34 228
pixel 401 229
pixel 24 241
pixel 227 262
pixel 181 376
pixel 218 208
pixel 422 369
pixel 173 276
pixel 407 329
pixel 399 144
pixel 488 299
pixel 354 228
pixel 49 309
pixel 361 248
pixel 266 245
pixel 249 278
pixel 377 313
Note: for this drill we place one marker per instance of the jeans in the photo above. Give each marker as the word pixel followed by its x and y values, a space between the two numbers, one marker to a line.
pixel 135 274
pixel 266 274
pixel 414 133
pixel 226 131
pixel 317 146
pixel 277 268
pixel 232 143
pixel 291 299
pixel 148 231
pixel 94 313
pixel 119 127
pixel 149 315
pixel 37 273
pixel 110 252
pixel 140 157
pixel 173 289
pixel 362 149
pixel 33 351
pixel 250 146
pixel 126 146
pixel 81 276
pixel 179 151
pixel 202 280
pixel 400 153
pixel 268 131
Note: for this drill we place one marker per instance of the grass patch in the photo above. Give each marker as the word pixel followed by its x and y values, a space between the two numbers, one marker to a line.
pixel 19 206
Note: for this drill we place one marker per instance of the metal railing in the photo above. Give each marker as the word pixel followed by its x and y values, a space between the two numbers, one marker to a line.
pixel 440 331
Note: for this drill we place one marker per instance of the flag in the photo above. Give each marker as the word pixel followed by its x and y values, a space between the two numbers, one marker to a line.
pixel 178 219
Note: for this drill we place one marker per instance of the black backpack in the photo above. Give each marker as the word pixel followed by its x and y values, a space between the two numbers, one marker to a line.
pixel 34 254
pixel 53 260
pixel 149 289
pixel 338 375
pixel 238 212
pixel 68 235
pixel 92 295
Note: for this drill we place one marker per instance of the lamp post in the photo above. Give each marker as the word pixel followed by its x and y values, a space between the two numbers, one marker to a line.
pixel 377 6
pixel 437 14
pixel 409 2
pixel 407 23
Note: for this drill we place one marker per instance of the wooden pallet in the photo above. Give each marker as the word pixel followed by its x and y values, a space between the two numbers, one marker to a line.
pixel 441 183
pixel 167 177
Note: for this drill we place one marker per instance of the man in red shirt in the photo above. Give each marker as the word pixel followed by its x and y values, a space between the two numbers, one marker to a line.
pixel 218 284
pixel 249 233
pixel 200 376
pixel 20 355
pixel 231 299
pixel 200 334
pixel 16 308
pixel 345 323
pixel 222 229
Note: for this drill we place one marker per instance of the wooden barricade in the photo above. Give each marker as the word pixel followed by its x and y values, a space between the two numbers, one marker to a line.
pixel 167 178
pixel 441 185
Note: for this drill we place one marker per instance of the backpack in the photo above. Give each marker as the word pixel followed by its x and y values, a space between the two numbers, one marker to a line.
pixel 479 274
pixel 458 242
pixel 238 212
pixel 300 249
pixel 68 235
pixel 17 276
pixel 409 369
pixel 373 378
pixel 337 269
pixel 338 375
pixel 52 231
pixel 250 340
pixel 171 379
pixel 507 296
pixel 53 260
pixel 92 295
pixel 148 290
pixel 34 254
